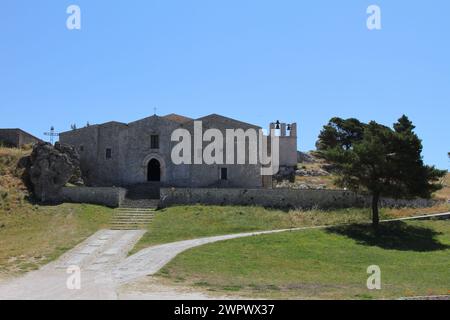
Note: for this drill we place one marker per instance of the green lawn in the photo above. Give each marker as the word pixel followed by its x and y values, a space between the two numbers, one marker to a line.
pixel 31 236
pixel 189 222
pixel 414 258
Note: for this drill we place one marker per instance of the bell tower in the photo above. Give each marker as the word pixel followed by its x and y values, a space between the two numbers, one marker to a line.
pixel 287 133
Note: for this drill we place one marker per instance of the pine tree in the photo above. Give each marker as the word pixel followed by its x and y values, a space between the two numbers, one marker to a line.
pixel 377 159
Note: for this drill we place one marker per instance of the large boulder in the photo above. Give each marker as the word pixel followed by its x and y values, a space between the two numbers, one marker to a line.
pixel 49 168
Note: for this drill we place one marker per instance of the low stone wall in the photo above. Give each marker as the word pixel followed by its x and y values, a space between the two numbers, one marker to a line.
pixel 278 198
pixel 274 198
pixel 110 197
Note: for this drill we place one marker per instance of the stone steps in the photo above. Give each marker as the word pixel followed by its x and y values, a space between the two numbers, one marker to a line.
pixel 132 218
pixel 138 208
pixel 140 204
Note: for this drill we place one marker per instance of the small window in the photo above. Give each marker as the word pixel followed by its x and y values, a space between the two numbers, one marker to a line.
pixel 108 153
pixel 81 148
pixel 154 141
pixel 223 174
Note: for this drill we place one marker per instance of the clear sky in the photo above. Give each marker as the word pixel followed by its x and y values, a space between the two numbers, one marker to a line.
pixel 254 60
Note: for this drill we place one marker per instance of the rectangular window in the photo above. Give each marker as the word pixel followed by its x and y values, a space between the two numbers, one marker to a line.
pixel 223 174
pixel 81 148
pixel 108 153
pixel 154 141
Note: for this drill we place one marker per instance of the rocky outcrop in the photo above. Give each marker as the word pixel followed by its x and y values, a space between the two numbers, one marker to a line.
pixel 311 172
pixel 303 157
pixel 285 173
pixel 49 168
pixel 297 185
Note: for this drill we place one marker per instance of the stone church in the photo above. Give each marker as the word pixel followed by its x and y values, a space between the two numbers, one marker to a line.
pixel 122 155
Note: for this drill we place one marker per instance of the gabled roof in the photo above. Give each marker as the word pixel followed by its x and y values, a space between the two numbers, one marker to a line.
pixel 150 118
pixel 226 120
pixel 113 123
pixel 177 118
pixel 106 124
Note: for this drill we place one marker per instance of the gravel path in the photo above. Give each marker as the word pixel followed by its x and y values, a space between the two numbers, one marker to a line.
pixel 106 271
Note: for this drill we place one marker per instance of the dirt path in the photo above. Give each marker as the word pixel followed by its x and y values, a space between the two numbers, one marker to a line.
pixel 106 272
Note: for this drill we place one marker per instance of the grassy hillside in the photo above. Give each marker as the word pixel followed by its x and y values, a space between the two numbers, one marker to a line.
pixel 12 190
pixel 32 235
pixel 322 264
pixel 326 181
pixel 445 192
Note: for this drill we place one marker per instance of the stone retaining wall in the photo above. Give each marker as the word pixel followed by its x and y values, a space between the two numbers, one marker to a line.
pixel 110 197
pixel 274 198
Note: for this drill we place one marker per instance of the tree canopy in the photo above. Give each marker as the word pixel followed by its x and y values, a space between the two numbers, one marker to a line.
pixel 381 160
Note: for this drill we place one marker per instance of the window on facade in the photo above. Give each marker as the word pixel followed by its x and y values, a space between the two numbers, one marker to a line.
pixel 108 153
pixel 154 141
pixel 81 148
pixel 223 174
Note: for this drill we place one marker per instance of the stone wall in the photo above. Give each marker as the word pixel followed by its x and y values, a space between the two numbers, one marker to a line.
pixel 272 198
pixel 110 197
pixel 278 198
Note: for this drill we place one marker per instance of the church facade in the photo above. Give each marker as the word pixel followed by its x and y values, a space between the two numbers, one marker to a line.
pixel 119 154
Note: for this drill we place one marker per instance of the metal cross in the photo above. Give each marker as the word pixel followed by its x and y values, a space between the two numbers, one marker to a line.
pixel 52 134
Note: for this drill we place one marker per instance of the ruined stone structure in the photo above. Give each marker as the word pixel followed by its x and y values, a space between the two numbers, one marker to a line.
pixel 122 155
pixel 16 138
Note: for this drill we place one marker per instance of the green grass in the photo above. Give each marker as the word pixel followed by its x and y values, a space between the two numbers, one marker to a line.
pixel 31 236
pixel 414 258
pixel 190 222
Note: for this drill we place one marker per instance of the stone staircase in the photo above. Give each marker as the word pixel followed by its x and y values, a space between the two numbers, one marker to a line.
pixel 138 209
pixel 140 204
pixel 132 218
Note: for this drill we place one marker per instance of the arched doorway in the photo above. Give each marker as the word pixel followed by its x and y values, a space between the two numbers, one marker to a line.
pixel 154 170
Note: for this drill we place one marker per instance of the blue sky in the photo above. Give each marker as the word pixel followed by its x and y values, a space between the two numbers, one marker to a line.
pixel 254 60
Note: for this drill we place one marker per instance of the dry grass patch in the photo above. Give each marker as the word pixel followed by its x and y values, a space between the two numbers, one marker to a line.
pixel 12 190
pixel 444 193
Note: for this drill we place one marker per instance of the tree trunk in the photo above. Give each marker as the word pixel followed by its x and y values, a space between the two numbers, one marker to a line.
pixel 375 213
